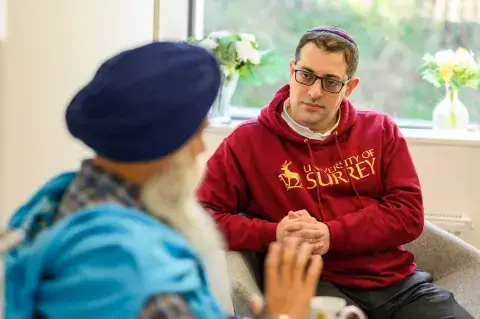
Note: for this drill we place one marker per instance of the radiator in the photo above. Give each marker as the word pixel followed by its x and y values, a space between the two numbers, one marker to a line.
pixel 457 224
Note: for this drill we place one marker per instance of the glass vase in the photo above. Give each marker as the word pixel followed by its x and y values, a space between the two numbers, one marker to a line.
pixel 450 114
pixel 220 111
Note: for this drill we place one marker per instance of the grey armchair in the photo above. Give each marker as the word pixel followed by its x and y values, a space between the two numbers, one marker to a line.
pixel 453 263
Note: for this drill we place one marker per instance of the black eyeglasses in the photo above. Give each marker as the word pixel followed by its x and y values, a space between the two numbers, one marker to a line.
pixel 328 84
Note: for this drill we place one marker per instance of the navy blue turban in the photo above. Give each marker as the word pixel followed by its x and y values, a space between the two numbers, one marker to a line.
pixel 145 103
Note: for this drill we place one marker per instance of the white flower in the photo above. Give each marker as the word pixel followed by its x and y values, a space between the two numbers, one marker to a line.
pixel 246 52
pixel 248 36
pixel 208 44
pixel 219 34
pixel 444 57
pixel 464 59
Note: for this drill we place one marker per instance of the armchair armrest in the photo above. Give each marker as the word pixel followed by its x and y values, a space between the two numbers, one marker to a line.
pixel 244 271
pixel 441 253
pixel 453 263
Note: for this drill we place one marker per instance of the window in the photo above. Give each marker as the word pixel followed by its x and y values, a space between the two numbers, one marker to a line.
pixel 393 36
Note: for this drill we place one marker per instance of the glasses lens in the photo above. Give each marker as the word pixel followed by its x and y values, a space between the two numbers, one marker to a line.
pixel 304 77
pixel 332 85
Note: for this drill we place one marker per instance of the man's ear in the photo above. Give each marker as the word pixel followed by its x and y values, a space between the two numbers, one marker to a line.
pixel 292 67
pixel 351 85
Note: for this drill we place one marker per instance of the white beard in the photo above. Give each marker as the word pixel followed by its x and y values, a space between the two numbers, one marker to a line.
pixel 170 196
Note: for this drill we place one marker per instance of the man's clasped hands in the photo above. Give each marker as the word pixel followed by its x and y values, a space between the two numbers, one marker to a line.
pixel 299 224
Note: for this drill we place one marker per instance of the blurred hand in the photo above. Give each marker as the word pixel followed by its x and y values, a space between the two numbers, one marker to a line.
pixel 290 280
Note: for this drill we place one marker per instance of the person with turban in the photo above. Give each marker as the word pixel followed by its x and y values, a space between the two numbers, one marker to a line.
pixel 124 236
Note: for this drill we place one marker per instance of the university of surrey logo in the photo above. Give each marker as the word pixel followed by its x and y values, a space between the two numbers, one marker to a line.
pixel 290 179
pixel 352 168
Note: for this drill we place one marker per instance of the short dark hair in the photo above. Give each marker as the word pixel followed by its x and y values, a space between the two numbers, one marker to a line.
pixel 331 42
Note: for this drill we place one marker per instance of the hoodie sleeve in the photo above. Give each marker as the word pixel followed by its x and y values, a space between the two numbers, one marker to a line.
pixel 398 217
pixel 224 193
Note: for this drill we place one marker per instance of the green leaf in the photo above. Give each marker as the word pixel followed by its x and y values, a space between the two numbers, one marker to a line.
pixel 226 51
pixel 429 58
pixel 251 75
pixel 192 40
pixel 474 79
pixel 270 56
pixel 428 66
pixel 434 78
pixel 466 77
pixel 456 85
pixel 271 68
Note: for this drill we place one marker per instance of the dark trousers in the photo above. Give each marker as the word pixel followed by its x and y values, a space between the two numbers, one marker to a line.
pixel 414 297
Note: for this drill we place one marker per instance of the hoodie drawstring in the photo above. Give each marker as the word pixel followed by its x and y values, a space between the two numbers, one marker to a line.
pixel 335 134
pixel 350 181
pixel 319 197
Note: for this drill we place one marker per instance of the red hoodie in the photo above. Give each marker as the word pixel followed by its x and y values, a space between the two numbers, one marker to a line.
pixel 360 181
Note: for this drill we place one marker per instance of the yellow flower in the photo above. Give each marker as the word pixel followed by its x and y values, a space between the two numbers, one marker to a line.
pixel 446 71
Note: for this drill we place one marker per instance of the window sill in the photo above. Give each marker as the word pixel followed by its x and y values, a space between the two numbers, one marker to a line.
pixel 429 136
pixel 413 136
pixel 415 131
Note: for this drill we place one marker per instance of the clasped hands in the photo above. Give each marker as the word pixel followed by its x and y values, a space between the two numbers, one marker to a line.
pixel 300 224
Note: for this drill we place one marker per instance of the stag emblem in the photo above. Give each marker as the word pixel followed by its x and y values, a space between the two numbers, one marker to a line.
pixel 289 178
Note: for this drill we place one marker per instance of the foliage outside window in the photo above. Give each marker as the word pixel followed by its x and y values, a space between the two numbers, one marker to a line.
pixel 393 37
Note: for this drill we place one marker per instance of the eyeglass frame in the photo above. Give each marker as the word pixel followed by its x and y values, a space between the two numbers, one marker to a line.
pixel 322 78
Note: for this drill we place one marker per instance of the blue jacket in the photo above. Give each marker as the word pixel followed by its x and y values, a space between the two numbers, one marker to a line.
pixel 102 262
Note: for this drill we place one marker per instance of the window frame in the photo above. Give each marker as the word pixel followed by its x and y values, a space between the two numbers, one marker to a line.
pixel 172 19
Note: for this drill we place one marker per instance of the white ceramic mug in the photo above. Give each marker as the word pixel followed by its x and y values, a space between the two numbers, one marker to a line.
pixel 333 308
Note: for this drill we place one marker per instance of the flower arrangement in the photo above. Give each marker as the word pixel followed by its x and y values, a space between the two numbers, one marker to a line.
pixel 455 69
pixel 239 53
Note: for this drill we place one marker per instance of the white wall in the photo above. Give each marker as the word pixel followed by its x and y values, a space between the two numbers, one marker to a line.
pixel 450 175
pixel 52 47
pixel 448 171
pixel 3 24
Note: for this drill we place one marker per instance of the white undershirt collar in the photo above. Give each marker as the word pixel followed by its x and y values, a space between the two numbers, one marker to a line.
pixel 305 131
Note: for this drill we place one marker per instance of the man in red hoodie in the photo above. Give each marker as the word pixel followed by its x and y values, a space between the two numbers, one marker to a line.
pixel 313 166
